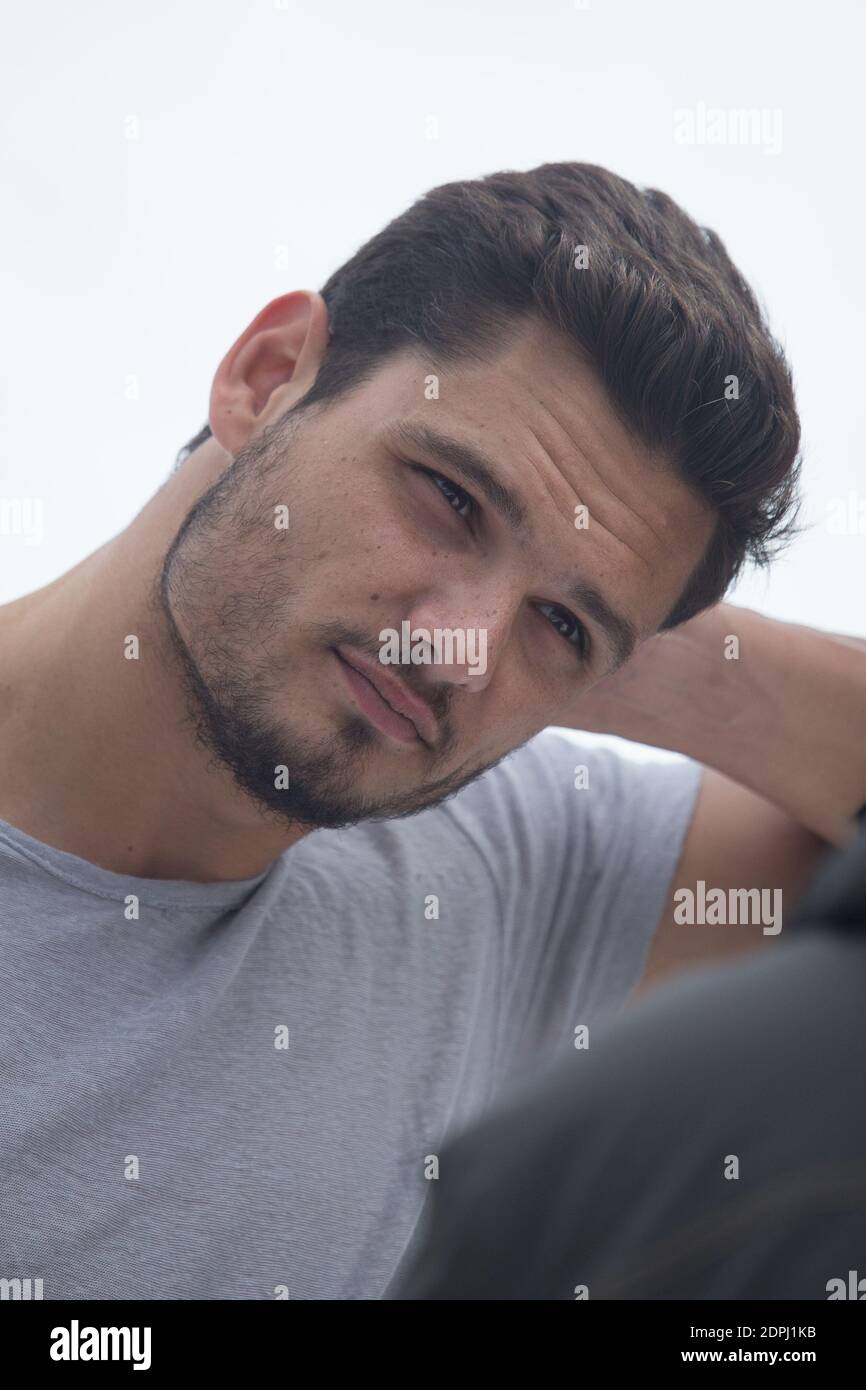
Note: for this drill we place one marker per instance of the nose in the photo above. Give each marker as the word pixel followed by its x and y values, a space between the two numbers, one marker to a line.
pixel 461 640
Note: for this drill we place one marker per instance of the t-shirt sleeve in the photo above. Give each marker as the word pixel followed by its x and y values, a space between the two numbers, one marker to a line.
pixel 591 842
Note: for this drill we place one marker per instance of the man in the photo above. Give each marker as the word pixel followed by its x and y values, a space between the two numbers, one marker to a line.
pixel 732 1165
pixel 277 914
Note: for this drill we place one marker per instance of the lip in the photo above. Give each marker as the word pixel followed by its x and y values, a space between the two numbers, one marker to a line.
pixel 394 696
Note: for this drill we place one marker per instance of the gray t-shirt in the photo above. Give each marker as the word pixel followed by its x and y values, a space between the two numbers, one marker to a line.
pixel 238 1090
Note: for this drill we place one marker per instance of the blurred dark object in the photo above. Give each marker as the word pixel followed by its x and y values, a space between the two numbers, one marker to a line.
pixel 610 1175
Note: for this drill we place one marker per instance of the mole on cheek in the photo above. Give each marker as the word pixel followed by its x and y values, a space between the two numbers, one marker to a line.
pixel 373 597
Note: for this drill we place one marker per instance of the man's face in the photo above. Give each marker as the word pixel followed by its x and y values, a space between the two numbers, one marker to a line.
pixel 591 544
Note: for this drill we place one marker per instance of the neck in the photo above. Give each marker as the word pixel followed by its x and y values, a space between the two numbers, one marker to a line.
pixel 98 755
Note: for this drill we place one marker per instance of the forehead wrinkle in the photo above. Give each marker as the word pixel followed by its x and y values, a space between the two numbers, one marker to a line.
pixel 588 424
pixel 597 520
pixel 541 477
pixel 592 467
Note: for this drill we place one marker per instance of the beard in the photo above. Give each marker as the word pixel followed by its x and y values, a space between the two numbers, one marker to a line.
pixel 218 629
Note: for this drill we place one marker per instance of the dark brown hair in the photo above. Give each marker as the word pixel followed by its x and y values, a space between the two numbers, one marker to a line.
pixel 659 310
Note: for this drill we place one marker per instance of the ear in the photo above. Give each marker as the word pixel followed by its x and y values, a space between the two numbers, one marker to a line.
pixel 272 365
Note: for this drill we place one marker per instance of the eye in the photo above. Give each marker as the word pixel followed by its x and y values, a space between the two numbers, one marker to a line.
pixel 569 627
pixel 466 507
pixel 459 501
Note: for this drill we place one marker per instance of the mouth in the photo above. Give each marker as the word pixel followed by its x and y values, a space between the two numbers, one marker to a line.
pixel 386 702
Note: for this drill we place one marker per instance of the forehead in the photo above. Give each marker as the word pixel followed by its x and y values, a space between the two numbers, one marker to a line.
pixel 543 420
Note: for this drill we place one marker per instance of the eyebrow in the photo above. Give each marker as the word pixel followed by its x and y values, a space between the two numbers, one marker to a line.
pixel 475 467
pixel 620 633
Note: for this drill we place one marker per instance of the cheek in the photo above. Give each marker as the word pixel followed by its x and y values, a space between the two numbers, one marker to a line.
pixel 372 548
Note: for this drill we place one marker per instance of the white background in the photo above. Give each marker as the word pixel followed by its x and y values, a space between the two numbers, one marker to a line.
pixel 272 140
